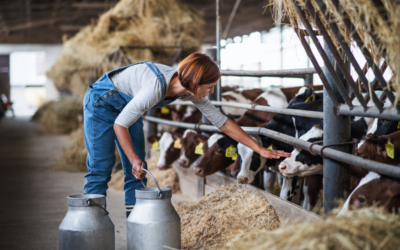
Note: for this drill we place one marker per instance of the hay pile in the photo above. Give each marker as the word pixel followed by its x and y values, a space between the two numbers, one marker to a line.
pixel 165 178
pixel 74 157
pixel 368 228
pixel 366 19
pixel 94 50
pixel 210 222
pixel 59 117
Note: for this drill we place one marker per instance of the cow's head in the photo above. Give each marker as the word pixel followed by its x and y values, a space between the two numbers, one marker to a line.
pixel 250 162
pixel 301 162
pixel 188 155
pixel 385 127
pixel 304 94
pixel 168 153
pixel 374 147
pixel 380 192
pixel 214 158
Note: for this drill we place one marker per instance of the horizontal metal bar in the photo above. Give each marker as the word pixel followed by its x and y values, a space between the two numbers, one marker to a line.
pixel 333 154
pixel 387 113
pixel 297 73
pixel 285 111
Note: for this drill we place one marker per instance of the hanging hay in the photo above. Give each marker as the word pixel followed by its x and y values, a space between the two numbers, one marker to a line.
pixel 165 178
pixel 59 117
pixel 368 228
pixel 86 56
pixel 366 19
pixel 74 158
pixel 210 222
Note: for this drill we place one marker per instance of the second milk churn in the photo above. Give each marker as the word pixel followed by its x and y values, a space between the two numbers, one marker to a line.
pixel 153 222
pixel 86 226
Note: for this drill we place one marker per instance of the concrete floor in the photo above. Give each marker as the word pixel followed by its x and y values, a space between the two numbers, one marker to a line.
pixel 33 196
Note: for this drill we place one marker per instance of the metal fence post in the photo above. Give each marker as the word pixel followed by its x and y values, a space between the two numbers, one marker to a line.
pixel 336 129
pixel 309 79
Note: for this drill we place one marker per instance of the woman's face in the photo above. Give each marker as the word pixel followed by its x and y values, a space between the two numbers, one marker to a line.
pixel 205 89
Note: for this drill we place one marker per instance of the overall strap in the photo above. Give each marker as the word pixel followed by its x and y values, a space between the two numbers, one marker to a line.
pixel 122 68
pixel 159 76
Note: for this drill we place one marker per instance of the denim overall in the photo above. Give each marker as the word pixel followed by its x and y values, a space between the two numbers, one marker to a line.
pixel 102 104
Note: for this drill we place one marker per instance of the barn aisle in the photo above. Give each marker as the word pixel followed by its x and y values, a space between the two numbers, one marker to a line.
pixel 33 196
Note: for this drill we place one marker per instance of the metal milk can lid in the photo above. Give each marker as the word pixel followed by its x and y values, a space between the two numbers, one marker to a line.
pixel 152 193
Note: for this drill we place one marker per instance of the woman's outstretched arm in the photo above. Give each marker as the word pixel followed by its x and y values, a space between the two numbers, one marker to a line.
pixel 237 133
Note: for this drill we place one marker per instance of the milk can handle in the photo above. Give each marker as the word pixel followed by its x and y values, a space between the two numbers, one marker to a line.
pixel 159 193
pixel 91 202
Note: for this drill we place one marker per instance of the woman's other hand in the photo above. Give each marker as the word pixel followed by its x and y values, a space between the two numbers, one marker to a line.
pixel 275 154
pixel 137 171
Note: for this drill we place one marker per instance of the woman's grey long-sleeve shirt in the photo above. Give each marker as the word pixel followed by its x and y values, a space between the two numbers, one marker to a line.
pixel 140 83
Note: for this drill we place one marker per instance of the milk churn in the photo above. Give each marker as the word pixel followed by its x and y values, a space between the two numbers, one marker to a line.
pixel 86 225
pixel 153 222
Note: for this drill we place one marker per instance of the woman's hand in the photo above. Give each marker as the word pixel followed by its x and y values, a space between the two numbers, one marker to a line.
pixel 137 171
pixel 275 154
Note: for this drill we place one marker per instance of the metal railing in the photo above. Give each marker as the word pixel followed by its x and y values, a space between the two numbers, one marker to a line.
pixel 381 168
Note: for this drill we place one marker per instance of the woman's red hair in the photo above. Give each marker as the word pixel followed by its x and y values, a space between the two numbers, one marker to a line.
pixel 197 69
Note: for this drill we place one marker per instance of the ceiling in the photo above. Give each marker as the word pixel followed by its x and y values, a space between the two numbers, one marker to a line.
pixel 46 21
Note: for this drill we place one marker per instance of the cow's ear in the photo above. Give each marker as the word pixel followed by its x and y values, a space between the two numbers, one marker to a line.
pixel 309 92
pixel 225 142
pixel 176 135
pixel 199 138
pixel 381 147
pixel 175 115
pixel 235 168
pixel 153 138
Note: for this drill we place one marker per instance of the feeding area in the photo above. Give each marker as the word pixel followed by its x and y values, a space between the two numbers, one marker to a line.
pixel 256 124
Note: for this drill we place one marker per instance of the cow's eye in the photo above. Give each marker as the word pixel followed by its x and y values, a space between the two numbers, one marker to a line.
pixel 219 151
pixel 361 199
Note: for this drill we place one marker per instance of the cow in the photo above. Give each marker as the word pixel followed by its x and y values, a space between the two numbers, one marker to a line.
pixel 170 148
pixel 302 162
pixel 275 97
pixel 378 148
pixel 188 155
pixel 374 189
pixel 250 162
pixel 214 154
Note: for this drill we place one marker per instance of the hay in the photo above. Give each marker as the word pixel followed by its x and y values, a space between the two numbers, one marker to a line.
pixel 366 19
pixel 59 117
pixel 210 222
pixel 165 178
pixel 74 156
pixel 88 54
pixel 368 228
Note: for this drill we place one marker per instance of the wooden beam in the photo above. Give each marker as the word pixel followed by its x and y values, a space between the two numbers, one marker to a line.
pixel 70 27
pixel 93 5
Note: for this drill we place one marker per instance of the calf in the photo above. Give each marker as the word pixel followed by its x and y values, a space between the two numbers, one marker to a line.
pixel 376 148
pixel 250 162
pixel 214 158
pixel 168 153
pixel 374 189
pixel 232 96
pixel 188 155
pixel 302 162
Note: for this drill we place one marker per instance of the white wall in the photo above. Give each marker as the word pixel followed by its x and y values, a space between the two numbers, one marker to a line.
pixel 52 51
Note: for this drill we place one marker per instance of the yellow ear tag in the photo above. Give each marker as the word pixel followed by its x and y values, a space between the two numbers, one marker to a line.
pixel 390 149
pixel 230 152
pixel 234 157
pixel 271 147
pixel 155 146
pixel 177 143
pixel 311 97
pixel 398 125
pixel 164 110
pixel 199 149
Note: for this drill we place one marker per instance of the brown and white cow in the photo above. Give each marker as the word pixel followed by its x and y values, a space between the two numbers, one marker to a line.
pixel 169 152
pixel 375 148
pixel 188 155
pixel 214 158
pixel 375 189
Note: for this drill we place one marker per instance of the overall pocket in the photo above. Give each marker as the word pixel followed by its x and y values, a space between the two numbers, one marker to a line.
pixel 111 100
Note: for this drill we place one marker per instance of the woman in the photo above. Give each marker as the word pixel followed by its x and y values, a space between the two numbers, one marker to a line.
pixel 113 109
